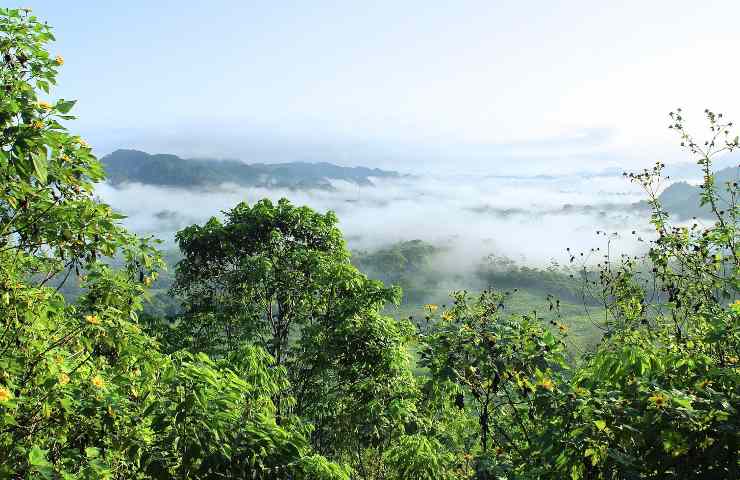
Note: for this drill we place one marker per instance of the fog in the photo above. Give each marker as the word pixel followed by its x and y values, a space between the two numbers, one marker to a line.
pixel 529 219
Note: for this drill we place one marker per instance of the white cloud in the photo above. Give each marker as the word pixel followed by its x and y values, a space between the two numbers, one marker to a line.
pixel 473 216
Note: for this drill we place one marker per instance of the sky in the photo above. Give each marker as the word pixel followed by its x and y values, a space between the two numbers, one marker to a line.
pixel 495 86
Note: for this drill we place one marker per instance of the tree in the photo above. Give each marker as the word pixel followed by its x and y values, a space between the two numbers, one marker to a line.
pixel 84 393
pixel 660 395
pixel 280 276
pixel 499 365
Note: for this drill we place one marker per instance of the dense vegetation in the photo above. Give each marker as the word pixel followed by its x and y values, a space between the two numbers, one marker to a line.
pixel 170 170
pixel 282 365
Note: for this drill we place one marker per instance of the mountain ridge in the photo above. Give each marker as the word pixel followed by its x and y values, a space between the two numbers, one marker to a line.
pixel 134 166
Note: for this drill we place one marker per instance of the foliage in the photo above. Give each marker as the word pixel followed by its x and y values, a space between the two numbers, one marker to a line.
pixel 417 457
pixel 656 399
pixel 283 366
pixel 406 264
pixel 502 367
pixel 683 200
pixel 502 273
pixel 84 393
pixel 280 275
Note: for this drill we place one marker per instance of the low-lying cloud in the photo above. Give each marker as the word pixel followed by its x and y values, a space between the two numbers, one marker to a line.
pixel 532 220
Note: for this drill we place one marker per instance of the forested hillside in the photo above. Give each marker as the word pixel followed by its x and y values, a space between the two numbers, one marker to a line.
pixel 282 361
pixel 684 200
pixel 170 170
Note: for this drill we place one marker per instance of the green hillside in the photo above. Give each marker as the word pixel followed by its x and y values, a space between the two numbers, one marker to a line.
pixel 124 166
pixel 684 200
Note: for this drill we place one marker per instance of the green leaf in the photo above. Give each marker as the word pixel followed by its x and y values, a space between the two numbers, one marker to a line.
pixel 43 85
pixel 600 424
pixel 64 106
pixel 40 166
pixel 37 457
pixel 92 452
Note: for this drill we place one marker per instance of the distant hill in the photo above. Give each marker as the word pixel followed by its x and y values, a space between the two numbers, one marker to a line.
pixel 129 166
pixel 682 199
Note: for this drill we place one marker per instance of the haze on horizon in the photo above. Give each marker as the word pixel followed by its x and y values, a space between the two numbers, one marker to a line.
pixel 475 85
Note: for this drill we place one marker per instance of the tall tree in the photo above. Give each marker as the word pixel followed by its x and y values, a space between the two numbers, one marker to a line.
pixel 84 393
pixel 280 276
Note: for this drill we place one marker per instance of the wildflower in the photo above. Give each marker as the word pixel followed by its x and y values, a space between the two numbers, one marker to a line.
pixel 98 381
pixel 447 316
pixel 83 143
pixel 658 399
pixel 65 158
pixel 59 60
pixel 547 384
pixel 45 105
pixel 431 307
pixel 37 124
pixel 562 328
pixel 4 394
pixel 63 379
pixel 92 319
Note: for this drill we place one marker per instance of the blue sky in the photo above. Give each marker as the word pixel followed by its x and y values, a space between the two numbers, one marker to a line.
pixel 477 83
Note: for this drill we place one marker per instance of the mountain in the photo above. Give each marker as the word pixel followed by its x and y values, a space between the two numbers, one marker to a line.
pixel 129 166
pixel 689 170
pixel 682 199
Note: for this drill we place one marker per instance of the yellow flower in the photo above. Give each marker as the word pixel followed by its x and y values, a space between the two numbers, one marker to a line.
pixel 59 60
pixel 45 105
pixel 658 399
pixel 97 381
pixel 562 328
pixel 447 316
pixel 735 307
pixel 83 143
pixel 63 378
pixel 703 384
pixel 431 307
pixel 65 158
pixel 37 124
pixel 92 319
pixel 4 394
pixel 547 384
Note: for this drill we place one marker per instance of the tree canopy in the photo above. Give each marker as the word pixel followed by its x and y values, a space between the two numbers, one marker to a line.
pixel 282 364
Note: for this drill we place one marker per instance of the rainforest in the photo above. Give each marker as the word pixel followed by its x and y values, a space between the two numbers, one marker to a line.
pixel 181 317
